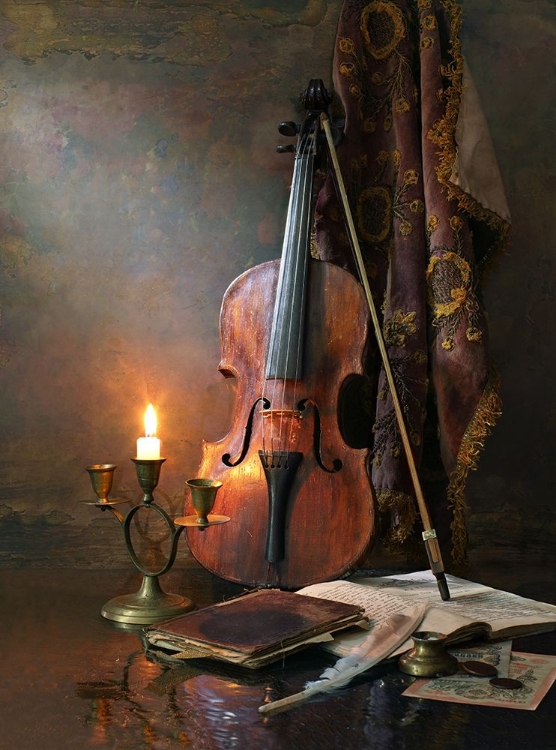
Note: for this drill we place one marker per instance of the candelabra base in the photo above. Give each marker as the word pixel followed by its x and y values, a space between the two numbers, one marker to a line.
pixel 147 606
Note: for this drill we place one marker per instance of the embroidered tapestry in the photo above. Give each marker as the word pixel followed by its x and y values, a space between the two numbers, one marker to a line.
pixel 430 214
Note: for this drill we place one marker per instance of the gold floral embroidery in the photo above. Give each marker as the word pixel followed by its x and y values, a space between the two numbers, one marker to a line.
pixel 429 23
pixel 399 327
pixel 383 27
pixel 473 334
pixel 346 45
pixel 402 106
pixel 450 291
pixel 427 42
pixel 378 203
pixel 417 206
pixel 347 69
pixel 415 438
pixel 386 92
pixel 432 223
pixel 369 125
pixel 374 213
pixel 458 294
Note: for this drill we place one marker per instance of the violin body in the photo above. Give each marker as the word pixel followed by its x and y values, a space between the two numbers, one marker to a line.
pixel 327 523
pixel 294 336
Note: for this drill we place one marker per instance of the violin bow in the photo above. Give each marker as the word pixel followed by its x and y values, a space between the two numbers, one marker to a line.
pixel 429 534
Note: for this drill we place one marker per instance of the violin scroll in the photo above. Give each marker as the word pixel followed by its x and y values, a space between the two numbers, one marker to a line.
pixel 315 100
pixel 315 97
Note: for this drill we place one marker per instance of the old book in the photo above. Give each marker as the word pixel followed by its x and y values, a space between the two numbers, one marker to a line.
pixel 474 611
pixel 254 629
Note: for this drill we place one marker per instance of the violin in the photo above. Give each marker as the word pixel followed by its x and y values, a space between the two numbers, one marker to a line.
pixel 294 337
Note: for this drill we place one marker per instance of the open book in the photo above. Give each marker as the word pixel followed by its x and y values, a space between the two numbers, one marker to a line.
pixel 473 611
pixel 254 629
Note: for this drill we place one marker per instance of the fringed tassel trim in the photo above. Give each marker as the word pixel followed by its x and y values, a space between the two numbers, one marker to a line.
pixel 443 135
pixel 489 408
pixel 480 427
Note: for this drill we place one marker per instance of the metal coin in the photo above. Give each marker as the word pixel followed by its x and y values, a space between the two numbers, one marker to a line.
pixel 479 668
pixel 506 682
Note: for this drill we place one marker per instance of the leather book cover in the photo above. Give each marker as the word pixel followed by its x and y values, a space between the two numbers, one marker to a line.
pixel 255 623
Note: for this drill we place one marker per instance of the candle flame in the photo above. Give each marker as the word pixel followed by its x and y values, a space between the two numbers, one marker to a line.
pixel 150 421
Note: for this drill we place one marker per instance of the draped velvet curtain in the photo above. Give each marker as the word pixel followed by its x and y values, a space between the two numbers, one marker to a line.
pixel 430 215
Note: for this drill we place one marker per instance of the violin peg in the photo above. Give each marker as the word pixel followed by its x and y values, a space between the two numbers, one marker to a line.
pixel 289 129
pixel 285 149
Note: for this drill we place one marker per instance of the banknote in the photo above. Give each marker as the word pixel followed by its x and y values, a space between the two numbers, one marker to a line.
pixel 534 672
pixel 497 655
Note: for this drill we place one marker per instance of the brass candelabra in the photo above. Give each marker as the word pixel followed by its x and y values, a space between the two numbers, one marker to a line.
pixel 150 604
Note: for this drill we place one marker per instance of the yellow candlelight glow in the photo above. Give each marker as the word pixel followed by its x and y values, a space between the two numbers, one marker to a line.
pixel 150 421
pixel 148 447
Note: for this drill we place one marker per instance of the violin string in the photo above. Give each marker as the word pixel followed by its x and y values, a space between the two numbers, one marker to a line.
pixel 295 248
pixel 307 202
pixel 286 440
pixel 275 357
pixel 294 236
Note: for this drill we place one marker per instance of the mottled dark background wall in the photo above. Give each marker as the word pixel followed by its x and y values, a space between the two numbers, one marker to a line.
pixel 138 178
pixel 510 46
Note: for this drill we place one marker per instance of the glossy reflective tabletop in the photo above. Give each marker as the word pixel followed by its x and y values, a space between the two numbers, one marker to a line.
pixel 71 680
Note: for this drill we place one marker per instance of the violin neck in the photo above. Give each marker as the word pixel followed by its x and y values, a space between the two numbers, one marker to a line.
pixel 285 352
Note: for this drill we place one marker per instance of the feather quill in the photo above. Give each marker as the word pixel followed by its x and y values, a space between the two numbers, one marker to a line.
pixel 378 645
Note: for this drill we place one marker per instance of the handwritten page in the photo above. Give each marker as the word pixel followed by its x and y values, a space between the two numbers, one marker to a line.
pixel 473 609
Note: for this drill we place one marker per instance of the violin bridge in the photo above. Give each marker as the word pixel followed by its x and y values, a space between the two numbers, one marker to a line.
pixel 281 413
pixel 275 459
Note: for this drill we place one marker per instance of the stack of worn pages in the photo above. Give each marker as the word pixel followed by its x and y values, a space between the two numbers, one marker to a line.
pixel 264 625
pixel 254 629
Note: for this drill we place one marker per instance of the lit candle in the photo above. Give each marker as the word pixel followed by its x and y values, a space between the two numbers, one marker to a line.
pixel 148 447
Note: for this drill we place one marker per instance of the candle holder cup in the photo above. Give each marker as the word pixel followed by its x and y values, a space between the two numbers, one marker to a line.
pixel 150 604
pixel 203 495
